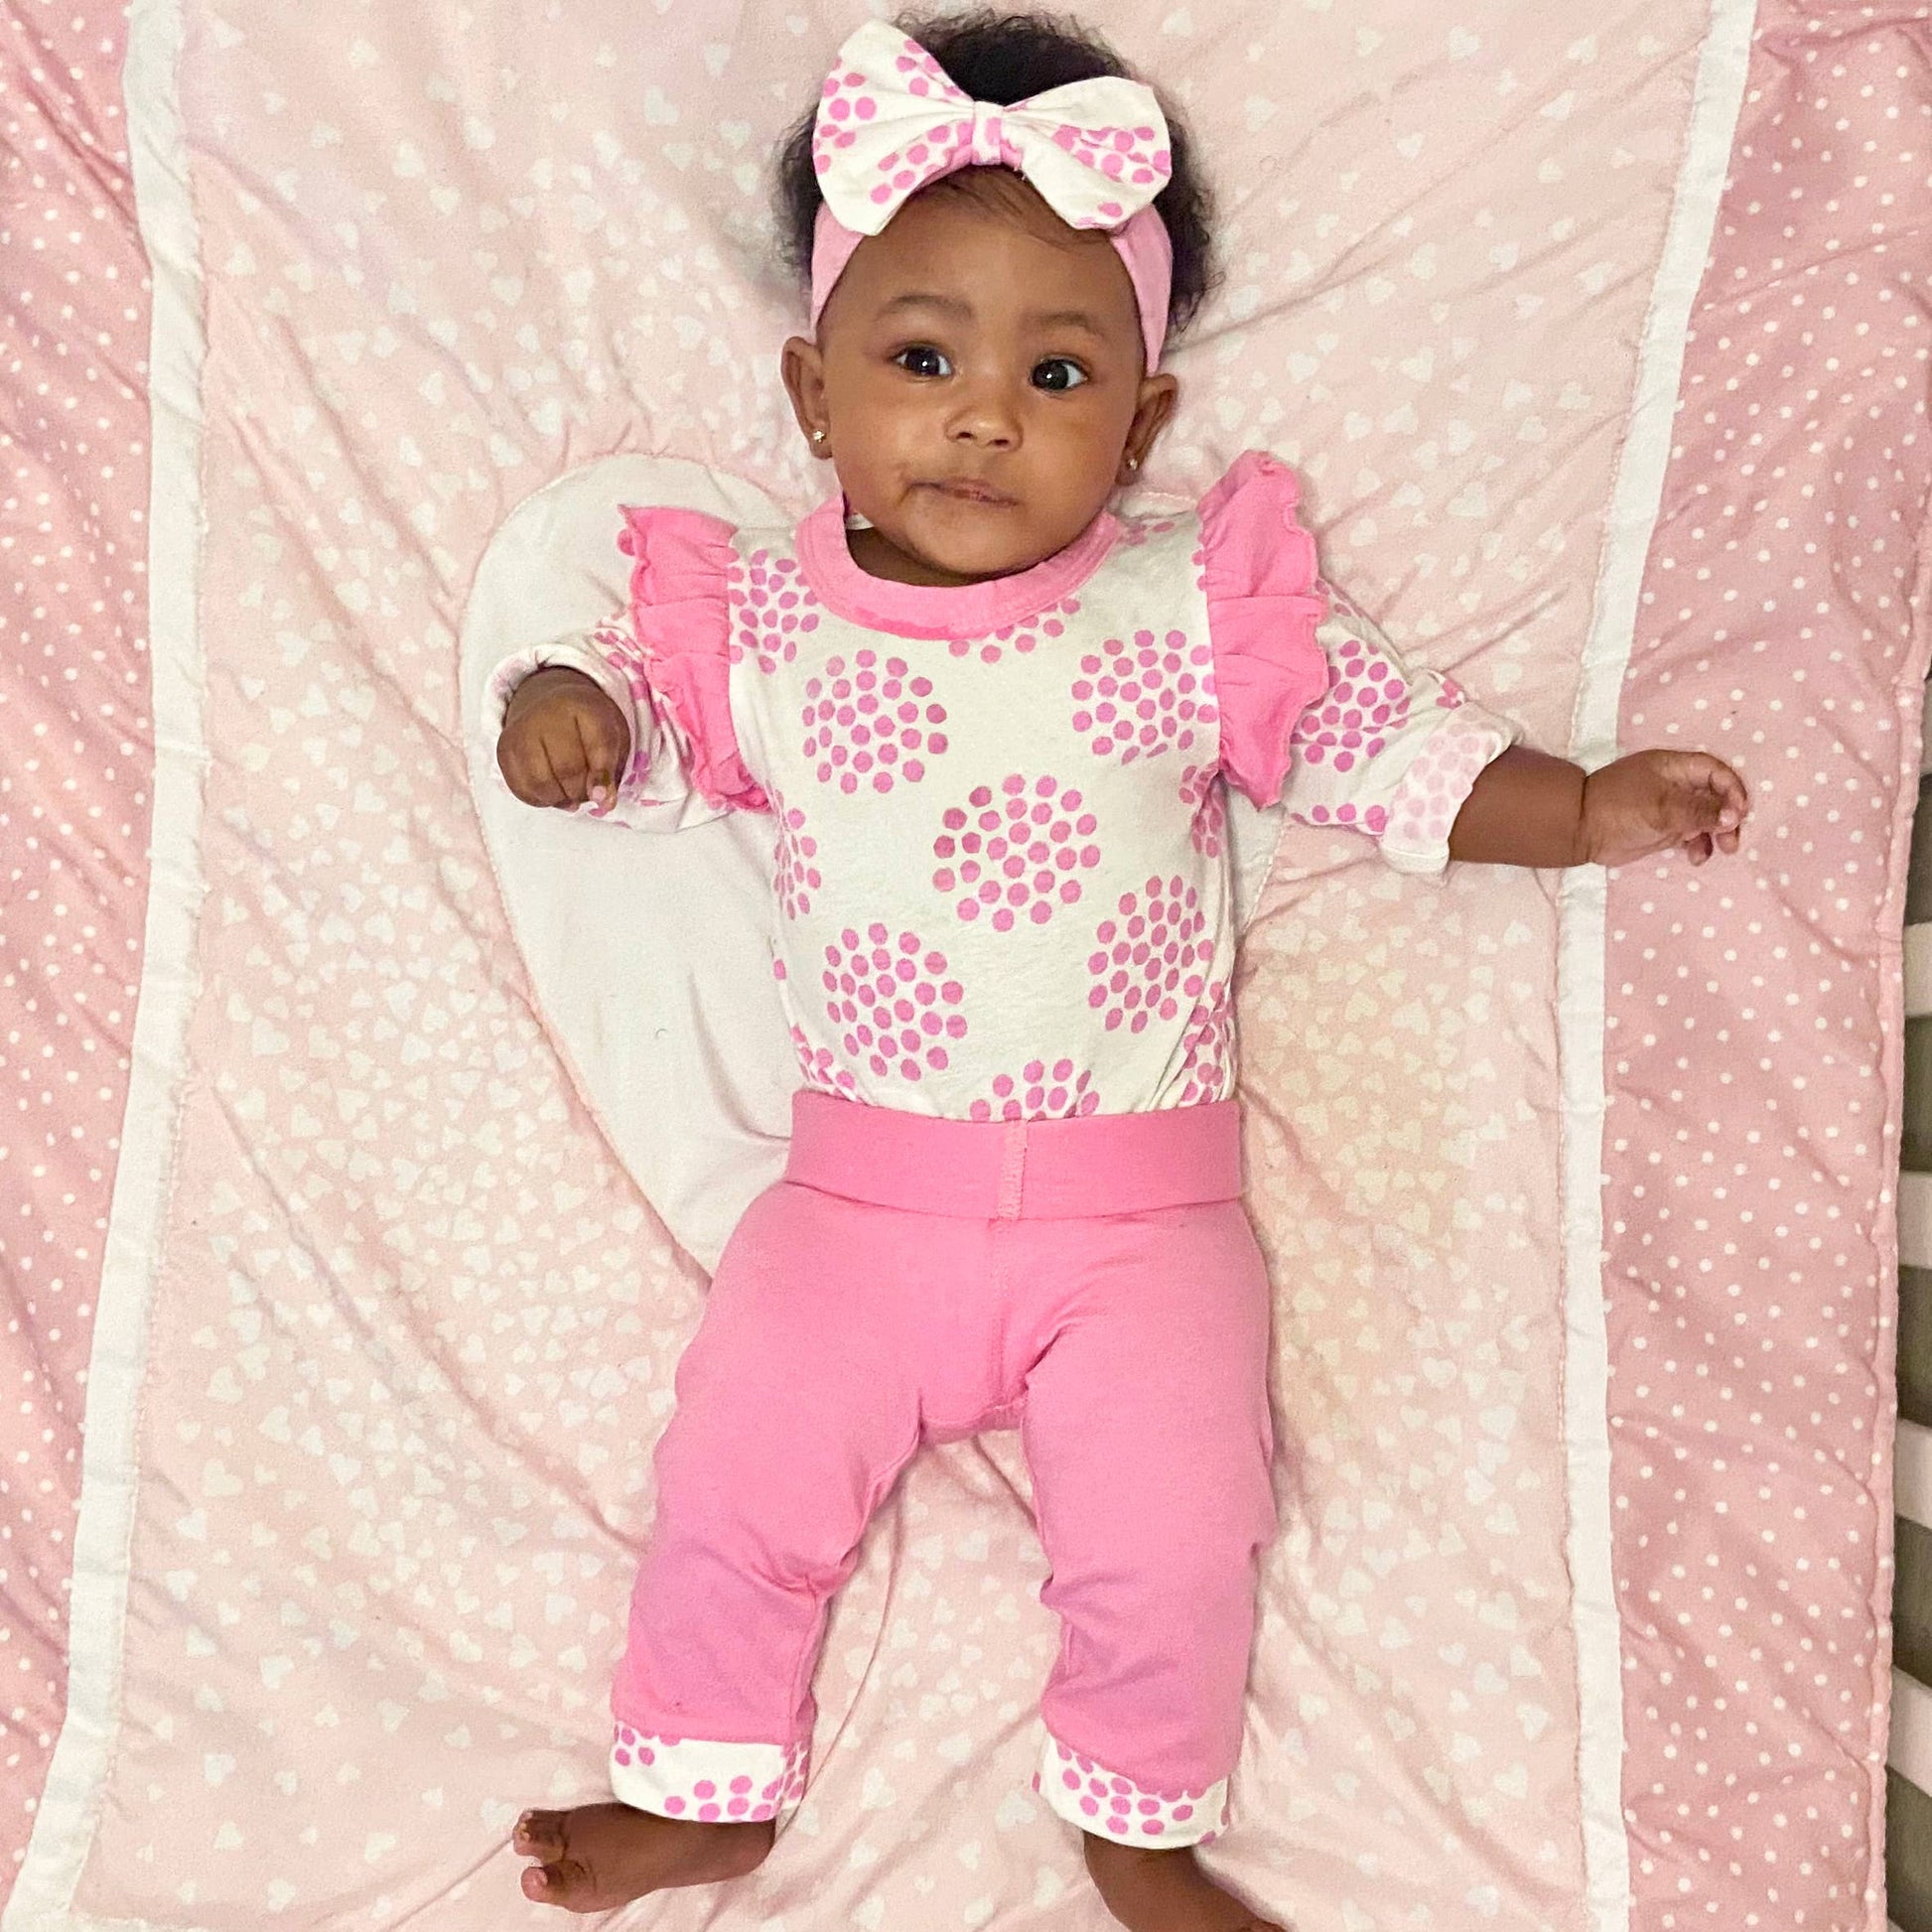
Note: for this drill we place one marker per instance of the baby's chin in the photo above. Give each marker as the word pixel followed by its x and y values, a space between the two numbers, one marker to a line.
pixel 972 541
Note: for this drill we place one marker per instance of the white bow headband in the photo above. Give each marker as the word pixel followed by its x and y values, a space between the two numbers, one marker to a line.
pixel 889 123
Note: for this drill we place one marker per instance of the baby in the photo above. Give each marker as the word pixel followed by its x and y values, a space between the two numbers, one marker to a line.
pixel 990 723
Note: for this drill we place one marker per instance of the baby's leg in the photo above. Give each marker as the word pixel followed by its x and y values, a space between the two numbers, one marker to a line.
pixel 1148 1431
pixel 797 1406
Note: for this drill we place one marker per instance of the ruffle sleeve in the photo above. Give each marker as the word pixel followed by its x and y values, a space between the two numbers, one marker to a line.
pixel 1263 602
pixel 1388 749
pixel 680 616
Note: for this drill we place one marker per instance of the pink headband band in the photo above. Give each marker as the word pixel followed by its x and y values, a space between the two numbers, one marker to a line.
pixel 890 123
pixel 1143 245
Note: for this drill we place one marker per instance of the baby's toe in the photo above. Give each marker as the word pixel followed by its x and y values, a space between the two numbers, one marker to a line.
pixel 563 1882
pixel 539 1835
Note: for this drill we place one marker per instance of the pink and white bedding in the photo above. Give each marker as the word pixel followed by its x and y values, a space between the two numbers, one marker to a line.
pixel 1600 343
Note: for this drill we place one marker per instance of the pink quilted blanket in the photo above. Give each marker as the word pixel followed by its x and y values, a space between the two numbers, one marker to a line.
pixel 1600 343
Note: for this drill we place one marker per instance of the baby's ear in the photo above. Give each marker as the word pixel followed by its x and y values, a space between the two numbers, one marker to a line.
pixel 1152 414
pixel 803 369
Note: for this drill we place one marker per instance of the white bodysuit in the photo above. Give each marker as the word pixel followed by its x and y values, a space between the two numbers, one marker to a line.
pixel 999 855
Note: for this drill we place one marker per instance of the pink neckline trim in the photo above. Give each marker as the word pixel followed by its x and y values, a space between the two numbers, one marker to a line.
pixel 934 610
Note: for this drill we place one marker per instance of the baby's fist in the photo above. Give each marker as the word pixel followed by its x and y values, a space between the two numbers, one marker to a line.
pixel 1652 800
pixel 564 742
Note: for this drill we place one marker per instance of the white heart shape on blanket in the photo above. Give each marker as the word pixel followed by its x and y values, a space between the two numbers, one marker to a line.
pixel 649 953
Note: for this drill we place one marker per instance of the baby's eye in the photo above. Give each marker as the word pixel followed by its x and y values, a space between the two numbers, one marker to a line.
pixel 1058 372
pixel 921 359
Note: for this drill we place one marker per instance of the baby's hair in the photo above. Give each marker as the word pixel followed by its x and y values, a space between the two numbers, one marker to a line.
pixel 1004 57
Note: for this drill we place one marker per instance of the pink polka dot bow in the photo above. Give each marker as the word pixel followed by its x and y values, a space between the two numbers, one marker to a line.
pixel 889 123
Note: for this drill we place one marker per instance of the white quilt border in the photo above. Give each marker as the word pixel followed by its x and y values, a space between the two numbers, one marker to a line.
pixel 68 1812
pixel 1722 65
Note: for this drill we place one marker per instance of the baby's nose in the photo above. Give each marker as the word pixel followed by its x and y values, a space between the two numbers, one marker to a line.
pixel 989 423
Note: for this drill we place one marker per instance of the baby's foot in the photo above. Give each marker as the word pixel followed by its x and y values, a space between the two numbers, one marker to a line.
pixel 600 1856
pixel 1167 1892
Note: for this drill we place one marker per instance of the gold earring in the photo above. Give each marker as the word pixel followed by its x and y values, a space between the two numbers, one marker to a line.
pixel 819 436
pixel 1133 463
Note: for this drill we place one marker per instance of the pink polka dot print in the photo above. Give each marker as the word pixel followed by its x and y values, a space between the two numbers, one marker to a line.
pixel 1023 638
pixel 621 653
pixel 1208 832
pixel 848 101
pixel 818 1065
pixel 1374 820
pixel 625 656
pixel 894 1001
pixel 1039 1091
pixel 1153 957
pixel 722 1798
pixel 1123 154
pixel 1365 703
pixel 794 862
pixel 1013 852
pixel 1103 1800
pixel 771 610
pixel 1142 696
pixel 843 106
pixel 1207 1051
pixel 821 1068
pixel 1136 532
pixel 1432 793
pixel 870 721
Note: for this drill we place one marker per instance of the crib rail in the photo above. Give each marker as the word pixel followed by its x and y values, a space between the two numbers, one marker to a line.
pixel 1908 1806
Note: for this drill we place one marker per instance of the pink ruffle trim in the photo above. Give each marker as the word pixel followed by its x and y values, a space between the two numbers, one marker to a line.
pixel 1263 602
pixel 680 609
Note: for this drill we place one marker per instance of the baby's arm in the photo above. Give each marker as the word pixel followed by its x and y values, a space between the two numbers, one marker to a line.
pixel 1527 808
pixel 580 727
pixel 1406 756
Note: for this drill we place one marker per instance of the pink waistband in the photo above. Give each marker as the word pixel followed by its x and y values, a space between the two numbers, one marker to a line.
pixel 1014 1170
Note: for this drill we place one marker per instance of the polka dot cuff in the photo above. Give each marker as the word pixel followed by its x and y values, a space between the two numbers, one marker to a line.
pixel 1108 1805
pixel 1423 810
pixel 722 1784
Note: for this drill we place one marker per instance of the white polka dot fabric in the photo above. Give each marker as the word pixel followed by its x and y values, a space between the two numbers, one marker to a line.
pixel 1753 1059
pixel 408 1329
pixel 76 752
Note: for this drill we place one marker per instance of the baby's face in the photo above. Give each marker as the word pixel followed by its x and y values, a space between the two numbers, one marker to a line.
pixel 979 377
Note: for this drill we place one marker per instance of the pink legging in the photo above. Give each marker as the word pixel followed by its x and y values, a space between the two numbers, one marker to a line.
pixel 913 1281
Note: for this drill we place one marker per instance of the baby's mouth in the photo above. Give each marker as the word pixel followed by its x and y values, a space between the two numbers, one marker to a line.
pixel 963 489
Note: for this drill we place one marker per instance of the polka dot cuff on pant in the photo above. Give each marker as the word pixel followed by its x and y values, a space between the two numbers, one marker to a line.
pixel 1108 1805
pixel 722 1784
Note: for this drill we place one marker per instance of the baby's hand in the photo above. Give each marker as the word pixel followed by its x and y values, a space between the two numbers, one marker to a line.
pixel 1652 800
pixel 564 742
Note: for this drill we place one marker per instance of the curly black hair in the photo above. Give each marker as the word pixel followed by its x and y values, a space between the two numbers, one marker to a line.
pixel 1004 57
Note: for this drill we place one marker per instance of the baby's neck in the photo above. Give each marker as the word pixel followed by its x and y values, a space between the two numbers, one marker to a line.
pixel 878 556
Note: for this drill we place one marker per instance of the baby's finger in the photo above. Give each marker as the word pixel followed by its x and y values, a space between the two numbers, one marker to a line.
pixel 1698 849
pixel 600 759
pixel 561 759
pixel 523 770
pixel 1699 807
pixel 1736 800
